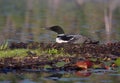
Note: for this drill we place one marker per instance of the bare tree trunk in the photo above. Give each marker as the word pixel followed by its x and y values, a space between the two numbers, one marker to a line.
pixel 80 2
pixel 108 14
pixel 107 18
pixel 108 24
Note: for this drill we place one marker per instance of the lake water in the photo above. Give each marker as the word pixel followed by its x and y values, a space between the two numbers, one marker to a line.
pixel 95 76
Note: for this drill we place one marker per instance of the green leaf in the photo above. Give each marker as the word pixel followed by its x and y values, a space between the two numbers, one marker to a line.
pixel 60 64
pixel 96 66
pixel 117 62
pixel 47 66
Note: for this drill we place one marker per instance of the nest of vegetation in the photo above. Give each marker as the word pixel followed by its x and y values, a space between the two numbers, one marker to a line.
pixel 94 49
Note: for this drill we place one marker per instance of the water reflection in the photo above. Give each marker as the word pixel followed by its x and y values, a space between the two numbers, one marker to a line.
pixel 62 76
pixel 4 81
pixel 27 81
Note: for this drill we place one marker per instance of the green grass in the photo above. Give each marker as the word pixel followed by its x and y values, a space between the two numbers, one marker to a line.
pixel 13 53
pixel 52 51
pixel 5 51
pixel 56 52
pixel 4 45
pixel 24 52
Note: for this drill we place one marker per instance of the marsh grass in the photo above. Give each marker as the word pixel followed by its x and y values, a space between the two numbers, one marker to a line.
pixel 56 52
pixel 53 53
pixel 13 53
pixel 4 45
pixel 5 52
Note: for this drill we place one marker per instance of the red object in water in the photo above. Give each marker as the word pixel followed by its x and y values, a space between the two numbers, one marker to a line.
pixel 84 64
pixel 89 63
pixel 82 73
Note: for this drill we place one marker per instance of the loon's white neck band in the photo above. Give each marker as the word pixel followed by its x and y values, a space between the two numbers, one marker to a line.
pixel 61 34
pixel 58 40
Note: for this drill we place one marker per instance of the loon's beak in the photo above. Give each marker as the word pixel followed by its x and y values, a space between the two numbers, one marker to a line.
pixel 47 28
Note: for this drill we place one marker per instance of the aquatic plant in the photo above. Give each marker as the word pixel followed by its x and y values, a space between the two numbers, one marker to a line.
pixel 117 61
pixel 52 51
pixel 13 53
pixel 56 53
pixel 4 45
pixel 60 64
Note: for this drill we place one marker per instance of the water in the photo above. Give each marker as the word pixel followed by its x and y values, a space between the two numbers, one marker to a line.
pixel 97 76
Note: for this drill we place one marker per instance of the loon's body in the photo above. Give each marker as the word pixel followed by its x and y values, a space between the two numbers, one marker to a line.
pixel 76 39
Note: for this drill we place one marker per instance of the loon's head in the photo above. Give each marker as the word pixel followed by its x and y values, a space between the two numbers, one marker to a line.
pixel 57 29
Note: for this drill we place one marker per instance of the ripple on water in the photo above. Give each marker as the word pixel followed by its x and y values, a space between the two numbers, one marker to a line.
pixel 74 78
pixel 114 74
pixel 5 81
pixel 106 81
pixel 27 81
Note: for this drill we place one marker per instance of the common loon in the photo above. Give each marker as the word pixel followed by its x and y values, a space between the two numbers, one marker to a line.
pixel 75 39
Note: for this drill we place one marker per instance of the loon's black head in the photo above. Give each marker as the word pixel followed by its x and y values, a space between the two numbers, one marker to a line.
pixel 56 29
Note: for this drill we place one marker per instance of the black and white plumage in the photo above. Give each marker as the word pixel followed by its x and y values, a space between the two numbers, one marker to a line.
pixel 76 39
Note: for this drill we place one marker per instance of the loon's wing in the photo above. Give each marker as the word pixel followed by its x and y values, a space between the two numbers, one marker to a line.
pixel 77 39
pixel 82 39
